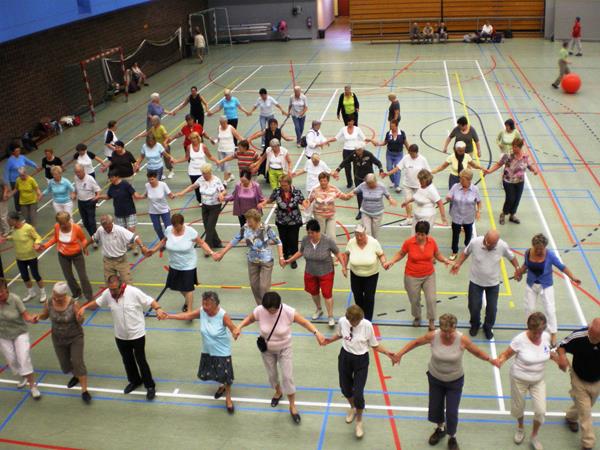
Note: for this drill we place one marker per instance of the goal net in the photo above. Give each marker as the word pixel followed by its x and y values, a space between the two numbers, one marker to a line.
pixel 213 23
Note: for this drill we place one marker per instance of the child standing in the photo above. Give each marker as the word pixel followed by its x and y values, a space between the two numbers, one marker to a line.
pixel 563 64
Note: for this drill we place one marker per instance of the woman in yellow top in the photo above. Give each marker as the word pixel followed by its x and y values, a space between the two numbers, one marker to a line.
pixel 458 161
pixel 162 137
pixel 26 241
pixel 507 136
pixel 348 105
pixel 29 195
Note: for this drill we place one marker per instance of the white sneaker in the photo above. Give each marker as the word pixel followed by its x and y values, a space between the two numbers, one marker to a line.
pixel 35 392
pixel 171 174
pixel 359 430
pixel 163 177
pixel 21 384
pixel 398 189
pixel 43 296
pixel 318 313
pixel 408 221
pixel 536 444
pixel 331 322
pixel 29 296
pixel 350 415
pixel 519 436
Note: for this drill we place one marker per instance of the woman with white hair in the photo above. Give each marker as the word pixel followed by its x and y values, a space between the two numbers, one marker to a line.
pixel 458 161
pixel 426 199
pixel 278 161
pixel 60 189
pixel 466 209
pixel 227 137
pixel 155 109
pixel 230 105
pixel 162 138
pixel 297 109
pixel 372 207
pixel 67 336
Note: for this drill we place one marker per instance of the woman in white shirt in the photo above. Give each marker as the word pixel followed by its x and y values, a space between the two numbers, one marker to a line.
pixel 278 160
pixel 86 159
pixel 227 137
pixel 353 138
pixel 297 108
pixel 357 336
pixel 531 350
pixel 266 103
pixel 425 199
pixel 157 193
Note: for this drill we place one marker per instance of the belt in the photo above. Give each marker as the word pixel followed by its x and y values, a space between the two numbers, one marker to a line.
pixel 114 258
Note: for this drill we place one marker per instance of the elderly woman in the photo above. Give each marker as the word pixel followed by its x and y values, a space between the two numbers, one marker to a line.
pixel 157 192
pixel 538 264
pixel 154 153
pixel 445 374
pixel 278 162
pixel 275 321
pixel 26 241
pixel 457 162
pixel 357 335
pixel 122 161
pixel 211 189
pixel 67 336
pixel 230 105
pixel 363 255
pixel 353 138
pixel 86 159
pixel 215 360
pixel 60 189
pixel 246 195
pixel 531 350
pixel 14 162
pixel 319 272
pixel 288 217
pixel 425 199
pixel 507 136
pixel 14 338
pixel 265 104
pixel 322 199
pixel 419 273
pixel 395 140
pixel 71 245
pixel 180 241
pixel 372 207
pixel 257 237
pixel 348 105
pixel 155 109
pixel 463 132
pixel 515 165
pixel 465 209
pixel 161 136
pixel 272 131
pixel 297 108
pixel 227 137
pixel 28 193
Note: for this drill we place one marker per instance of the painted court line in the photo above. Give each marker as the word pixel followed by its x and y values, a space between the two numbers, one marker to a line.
pixel 351 63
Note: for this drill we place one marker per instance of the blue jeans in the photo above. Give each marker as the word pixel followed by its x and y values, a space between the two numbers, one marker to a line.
pixel 156 218
pixel 391 160
pixel 299 127
pixel 476 302
pixel 158 172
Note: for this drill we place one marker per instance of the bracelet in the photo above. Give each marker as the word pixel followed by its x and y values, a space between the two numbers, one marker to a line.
pixel 315 332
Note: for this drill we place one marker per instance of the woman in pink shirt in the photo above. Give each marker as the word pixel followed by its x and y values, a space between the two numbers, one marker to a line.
pixel 322 198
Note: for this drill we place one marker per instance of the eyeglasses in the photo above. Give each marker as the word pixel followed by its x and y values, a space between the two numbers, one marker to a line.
pixel 350 338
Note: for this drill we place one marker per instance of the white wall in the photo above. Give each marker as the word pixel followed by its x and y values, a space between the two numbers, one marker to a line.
pixel 325 13
pixel 565 13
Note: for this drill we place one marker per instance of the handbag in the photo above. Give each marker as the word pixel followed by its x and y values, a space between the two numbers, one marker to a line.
pixel 261 342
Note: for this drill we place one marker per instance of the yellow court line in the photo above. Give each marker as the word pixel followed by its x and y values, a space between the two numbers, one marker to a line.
pixel 486 195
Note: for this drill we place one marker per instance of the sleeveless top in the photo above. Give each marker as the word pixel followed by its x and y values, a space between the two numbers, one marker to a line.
pixel 446 360
pixel 196 108
pixel 226 144
pixel 197 160
pixel 271 135
pixel 216 339
pixel 65 326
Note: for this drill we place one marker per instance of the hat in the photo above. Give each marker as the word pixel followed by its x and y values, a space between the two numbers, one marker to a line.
pixel 61 288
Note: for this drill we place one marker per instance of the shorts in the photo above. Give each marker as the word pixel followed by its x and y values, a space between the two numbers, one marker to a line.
pixel 314 283
pixel 25 266
pixel 127 221
pixel 408 192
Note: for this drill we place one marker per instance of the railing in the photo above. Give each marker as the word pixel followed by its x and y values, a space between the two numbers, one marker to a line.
pixel 499 23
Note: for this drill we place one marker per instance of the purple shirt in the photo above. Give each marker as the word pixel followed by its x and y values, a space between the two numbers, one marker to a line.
pixel 464 203
pixel 245 198
pixel 154 109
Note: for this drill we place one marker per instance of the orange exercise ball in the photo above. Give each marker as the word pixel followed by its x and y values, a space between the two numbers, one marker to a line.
pixel 571 83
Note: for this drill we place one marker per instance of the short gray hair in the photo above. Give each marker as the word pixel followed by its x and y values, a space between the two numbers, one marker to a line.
pixel 370 178
pixel 274 142
pixel 206 168
pixel 154 96
pixel 212 296
pixel 105 219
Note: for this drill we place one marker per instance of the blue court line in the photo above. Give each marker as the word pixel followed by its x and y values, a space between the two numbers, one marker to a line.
pixel 325 417
pixel 20 404
pixel 555 138
pixel 594 201
pixel 511 71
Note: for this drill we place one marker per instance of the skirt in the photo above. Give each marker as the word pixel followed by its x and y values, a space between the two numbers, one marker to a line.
pixel 182 280
pixel 216 368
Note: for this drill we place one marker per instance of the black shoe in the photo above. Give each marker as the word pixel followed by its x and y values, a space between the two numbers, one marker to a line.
pixel 437 435
pixel 573 426
pixel 452 444
pixel 230 409
pixel 184 308
pixel 358 216
pixel 296 418
pixel 489 334
pixel 555 86
pixel 131 387
pixel 579 54
pixel 348 186
pixel 275 401
pixel 220 392
pixel 150 394
pixel 473 330
pixel 294 265
pixel 72 382
pixel 86 397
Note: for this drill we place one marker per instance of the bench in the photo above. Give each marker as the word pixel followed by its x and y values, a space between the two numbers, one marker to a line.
pixel 245 32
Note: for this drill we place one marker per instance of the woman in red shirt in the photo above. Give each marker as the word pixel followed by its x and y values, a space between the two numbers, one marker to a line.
pixel 419 273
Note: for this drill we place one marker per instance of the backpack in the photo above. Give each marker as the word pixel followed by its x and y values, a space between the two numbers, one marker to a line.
pixel 303 142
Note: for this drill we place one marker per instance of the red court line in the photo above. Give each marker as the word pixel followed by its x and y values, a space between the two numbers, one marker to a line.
pixel 36 445
pixel 292 73
pixel 553 117
pixel 386 396
pixel 41 338
pixel 406 67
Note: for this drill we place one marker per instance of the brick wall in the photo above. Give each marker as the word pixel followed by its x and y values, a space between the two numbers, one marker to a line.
pixel 33 68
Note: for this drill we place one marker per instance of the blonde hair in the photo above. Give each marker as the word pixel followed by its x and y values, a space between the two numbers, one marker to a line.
pixel 63 217
pixel 253 214
pixel 466 173
pixel 425 176
pixel 56 170
pixel 194 135
pixel 448 322
pixel 206 168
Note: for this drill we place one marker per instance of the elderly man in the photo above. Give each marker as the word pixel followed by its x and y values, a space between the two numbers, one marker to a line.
pixel 394 109
pixel 115 241
pixel 127 305
pixel 315 140
pixel 487 254
pixel 584 345
pixel 86 189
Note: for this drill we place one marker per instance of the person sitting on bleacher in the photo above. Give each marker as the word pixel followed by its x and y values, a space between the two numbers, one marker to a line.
pixel 487 31
pixel 415 33
pixel 428 33
pixel 442 32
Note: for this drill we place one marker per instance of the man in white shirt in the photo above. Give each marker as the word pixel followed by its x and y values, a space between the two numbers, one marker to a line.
pixel 487 31
pixel 115 240
pixel 315 140
pixel 128 305
pixel 200 44
pixel 266 103
pixel 86 188
pixel 487 252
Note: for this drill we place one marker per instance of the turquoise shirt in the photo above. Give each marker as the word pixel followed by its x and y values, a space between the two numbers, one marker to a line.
pixel 60 191
pixel 230 107
pixel 182 254
pixel 154 156
pixel 216 338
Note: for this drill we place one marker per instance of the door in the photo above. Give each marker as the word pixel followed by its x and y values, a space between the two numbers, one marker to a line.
pixel 343 7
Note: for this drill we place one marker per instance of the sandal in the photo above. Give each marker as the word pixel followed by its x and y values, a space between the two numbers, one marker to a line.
pixel 220 392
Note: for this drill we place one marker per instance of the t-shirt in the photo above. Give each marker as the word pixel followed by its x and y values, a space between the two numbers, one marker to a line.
pixel 425 201
pixel 24 238
pixel 452 160
pixel 505 140
pixel 282 334
pixel 266 106
pixel 563 54
pixel 359 339
pixel 313 172
pixel 318 257
pixel 122 195
pixel 122 164
pixel 530 359
pixel 154 156
pixel 230 107
pixel 467 138
pixel 246 158
pixel 586 356
pixel 410 168
pixel 297 105
pixel 61 190
pixel 47 165
pixel 187 130
pixel 27 190
pixel 12 324
pixel 419 262
pixel 86 161
pixel 372 203
pixel 364 262
pixel 109 138
pixel 182 254
pixel 353 140
pixel 157 198
pixel 159 133
pixel 324 200
pixel 210 190
pixel 485 267
pixel 394 106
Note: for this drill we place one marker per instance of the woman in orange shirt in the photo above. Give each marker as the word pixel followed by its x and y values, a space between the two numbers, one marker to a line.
pixel 71 246
pixel 419 273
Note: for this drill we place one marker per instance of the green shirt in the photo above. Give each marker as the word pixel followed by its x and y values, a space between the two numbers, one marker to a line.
pixel 12 324
pixel 505 140
pixel 348 103
pixel 24 238
pixel 563 54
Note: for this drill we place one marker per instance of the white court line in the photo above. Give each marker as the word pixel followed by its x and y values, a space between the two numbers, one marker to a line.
pixel 351 63
pixel 538 208
pixel 328 89
pixel 493 350
pixel 177 395
pixel 247 78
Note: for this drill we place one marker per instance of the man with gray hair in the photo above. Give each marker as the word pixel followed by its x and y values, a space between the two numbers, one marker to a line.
pixel 115 241
pixel 86 188
pixel 315 140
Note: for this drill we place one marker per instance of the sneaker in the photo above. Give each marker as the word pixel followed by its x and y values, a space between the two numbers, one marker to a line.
pixel 43 296
pixel 331 322
pixel 359 432
pixel 35 393
pixel 452 444
pixel 416 323
pixel 453 256
pixel 408 221
pixel 519 436
pixel 350 415
pixel 29 296
pixel 163 177
pixel 573 426
pixel 86 397
pixel 437 435
pixel 501 219
pixel 318 313
pixel 171 174
pixel 555 86
pixel 398 189
pixel 535 443
pixel 21 384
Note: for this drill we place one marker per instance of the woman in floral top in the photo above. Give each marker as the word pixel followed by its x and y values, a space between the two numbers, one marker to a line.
pixel 323 199
pixel 257 237
pixel 513 179
pixel 288 217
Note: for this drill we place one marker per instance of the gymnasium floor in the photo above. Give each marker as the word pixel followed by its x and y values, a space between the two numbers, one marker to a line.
pixel 435 84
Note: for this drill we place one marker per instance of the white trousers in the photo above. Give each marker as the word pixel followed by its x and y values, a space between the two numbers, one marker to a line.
pixel 575 42
pixel 535 291
pixel 537 390
pixel 60 207
pixel 17 355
